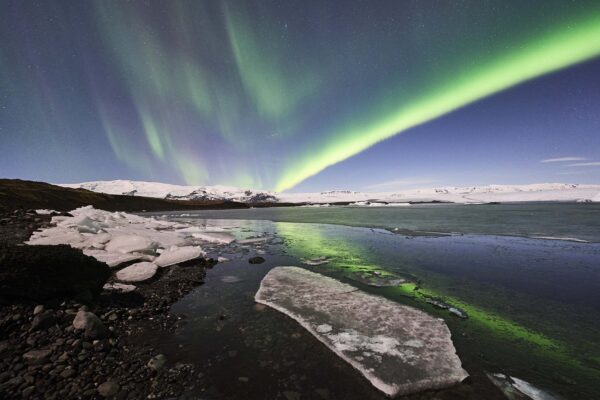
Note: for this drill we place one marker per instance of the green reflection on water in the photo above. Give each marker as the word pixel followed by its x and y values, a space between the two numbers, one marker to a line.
pixel 516 343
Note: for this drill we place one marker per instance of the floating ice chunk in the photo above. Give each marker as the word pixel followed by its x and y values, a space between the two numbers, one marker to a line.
pixel 316 261
pixel 119 287
pixel 515 388
pixel 178 255
pixel 130 244
pixel 324 328
pixel 222 259
pixel 399 349
pixel 111 259
pixel 138 272
pixel 214 237
pixel 254 240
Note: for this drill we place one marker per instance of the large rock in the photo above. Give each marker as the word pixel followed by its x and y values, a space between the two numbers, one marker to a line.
pixel 37 356
pixel 91 324
pixel 399 349
pixel 48 272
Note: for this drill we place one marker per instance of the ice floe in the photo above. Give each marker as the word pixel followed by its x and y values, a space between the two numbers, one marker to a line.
pixel 129 244
pixel 138 272
pixel 518 389
pixel 44 211
pixel 399 349
pixel 214 237
pixel 317 261
pixel 178 255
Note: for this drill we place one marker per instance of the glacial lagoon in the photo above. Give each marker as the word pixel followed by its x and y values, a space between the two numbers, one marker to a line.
pixel 521 300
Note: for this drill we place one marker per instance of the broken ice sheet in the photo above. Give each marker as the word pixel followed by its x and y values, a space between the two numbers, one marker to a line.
pixel 399 349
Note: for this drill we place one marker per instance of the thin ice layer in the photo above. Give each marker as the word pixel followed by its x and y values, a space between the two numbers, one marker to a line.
pixel 399 349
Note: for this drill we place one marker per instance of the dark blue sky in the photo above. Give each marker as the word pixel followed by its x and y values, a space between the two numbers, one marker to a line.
pixel 301 95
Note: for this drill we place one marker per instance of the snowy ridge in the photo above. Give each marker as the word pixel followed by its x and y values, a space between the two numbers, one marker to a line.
pixel 465 195
pixel 176 192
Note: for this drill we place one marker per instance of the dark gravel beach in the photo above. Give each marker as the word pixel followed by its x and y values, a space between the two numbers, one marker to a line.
pixel 44 356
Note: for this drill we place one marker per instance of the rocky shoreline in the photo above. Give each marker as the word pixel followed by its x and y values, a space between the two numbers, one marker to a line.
pixel 67 349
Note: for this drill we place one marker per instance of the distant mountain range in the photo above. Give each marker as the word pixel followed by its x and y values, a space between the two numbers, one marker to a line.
pixel 468 195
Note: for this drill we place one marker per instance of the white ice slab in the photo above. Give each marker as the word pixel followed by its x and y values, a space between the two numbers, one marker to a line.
pixel 56 235
pixel 517 388
pixel 111 259
pixel 138 272
pixel 44 211
pixel 399 349
pixel 178 255
pixel 214 237
pixel 317 261
pixel 130 244
pixel 119 287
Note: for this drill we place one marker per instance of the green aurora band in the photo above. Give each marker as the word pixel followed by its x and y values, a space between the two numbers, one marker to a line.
pixel 567 45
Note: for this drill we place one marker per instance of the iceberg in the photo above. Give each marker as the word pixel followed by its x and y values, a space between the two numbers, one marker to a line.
pixel 399 349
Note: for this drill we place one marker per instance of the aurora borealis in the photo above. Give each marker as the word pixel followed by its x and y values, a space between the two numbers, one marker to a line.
pixel 271 94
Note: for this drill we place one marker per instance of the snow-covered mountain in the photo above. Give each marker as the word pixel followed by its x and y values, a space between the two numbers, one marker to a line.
pixel 473 194
pixel 176 192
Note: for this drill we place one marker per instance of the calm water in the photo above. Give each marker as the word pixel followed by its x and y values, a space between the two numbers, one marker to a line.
pixel 533 304
pixel 567 220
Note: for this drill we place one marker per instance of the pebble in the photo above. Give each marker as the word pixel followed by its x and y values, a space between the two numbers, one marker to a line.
pixel 37 356
pixel 108 389
pixel 157 362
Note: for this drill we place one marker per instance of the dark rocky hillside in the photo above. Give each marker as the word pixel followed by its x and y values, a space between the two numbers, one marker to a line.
pixel 20 194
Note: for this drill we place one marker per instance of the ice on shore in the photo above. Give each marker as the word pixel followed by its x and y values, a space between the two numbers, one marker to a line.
pixel 129 244
pixel 178 255
pixel 111 259
pixel 44 211
pixel 119 287
pixel 116 238
pixel 399 349
pixel 138 272
pixel 54 236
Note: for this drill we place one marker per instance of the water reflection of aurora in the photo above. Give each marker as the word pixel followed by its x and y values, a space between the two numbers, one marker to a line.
pixel 492 329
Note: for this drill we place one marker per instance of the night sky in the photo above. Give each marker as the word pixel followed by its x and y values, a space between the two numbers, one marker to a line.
pixel 301 95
